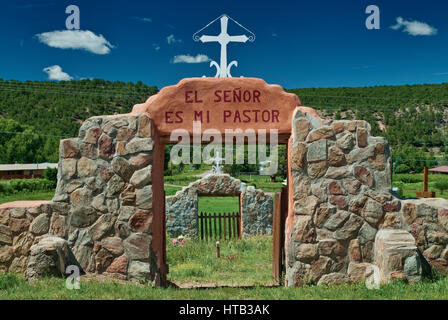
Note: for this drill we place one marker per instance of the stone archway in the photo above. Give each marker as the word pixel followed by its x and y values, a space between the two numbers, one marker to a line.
pixel 220 105
pixel 256 207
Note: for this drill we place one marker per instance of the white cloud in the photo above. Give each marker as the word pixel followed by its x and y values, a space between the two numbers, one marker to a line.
pixel 414 28
pixel 55 73
pixel 142 19
pixel 76 39
pixel 156 46
pixel 172 40
pixel 200 58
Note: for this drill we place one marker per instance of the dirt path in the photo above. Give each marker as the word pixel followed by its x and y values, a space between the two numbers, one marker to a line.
pixel 173 185
pixel 214 285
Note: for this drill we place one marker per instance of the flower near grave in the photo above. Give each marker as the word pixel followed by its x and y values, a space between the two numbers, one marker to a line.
pixel 180 240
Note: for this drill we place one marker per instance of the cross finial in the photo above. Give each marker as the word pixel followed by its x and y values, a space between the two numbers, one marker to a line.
pixel 223 69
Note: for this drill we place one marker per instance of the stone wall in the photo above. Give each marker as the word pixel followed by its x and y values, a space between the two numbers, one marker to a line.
pixel 341 197
pixel 105 178
pixel 21 226
pixel 427 221
pixel 182 208
pixel 102 204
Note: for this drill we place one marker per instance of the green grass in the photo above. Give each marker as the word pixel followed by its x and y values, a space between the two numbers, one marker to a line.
pixel 184 178
pixel 412 183
pixel 218 204
pixel 15 287
pixel 171 191
pixel 242 262
pixel 262 182
pixel 27 196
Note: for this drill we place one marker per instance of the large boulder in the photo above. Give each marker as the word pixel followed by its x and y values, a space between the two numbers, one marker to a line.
pixel 49 257
pixel 396 256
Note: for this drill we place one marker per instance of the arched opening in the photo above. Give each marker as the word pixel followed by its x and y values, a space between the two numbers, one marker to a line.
pixel 172 113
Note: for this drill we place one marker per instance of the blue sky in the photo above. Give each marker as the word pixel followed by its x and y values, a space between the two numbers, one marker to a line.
pixel 299 43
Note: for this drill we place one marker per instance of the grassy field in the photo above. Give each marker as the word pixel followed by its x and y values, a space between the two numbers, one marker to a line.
pixel 15 287
pixel 39 195
pixel 262 182
pixel 218 204
pixel 411 183
pixel 242 262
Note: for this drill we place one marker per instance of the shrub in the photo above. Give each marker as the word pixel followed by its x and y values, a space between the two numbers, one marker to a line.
pixel 51 174
pixel 441 185
pixel 402 168
pixel 25 185
pixel 5 188
pixel 410 178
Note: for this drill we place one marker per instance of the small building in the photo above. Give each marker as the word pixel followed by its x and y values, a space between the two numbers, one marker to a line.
pixel 442 169
pixel 24 171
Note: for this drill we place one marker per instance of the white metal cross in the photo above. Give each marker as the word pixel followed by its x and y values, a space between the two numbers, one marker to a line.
pixel 223 70
pixel 217 168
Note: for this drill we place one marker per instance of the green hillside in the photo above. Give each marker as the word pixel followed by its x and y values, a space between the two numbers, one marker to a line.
pixel 57 110
pixel 415 115
pixel 412 118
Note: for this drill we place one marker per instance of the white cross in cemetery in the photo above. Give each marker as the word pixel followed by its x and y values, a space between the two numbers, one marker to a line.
pixel 217 168
pixel 223 69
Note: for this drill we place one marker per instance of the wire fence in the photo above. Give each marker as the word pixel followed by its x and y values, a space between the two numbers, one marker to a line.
pixel 76 90
pixel 322 101
pixel 108 90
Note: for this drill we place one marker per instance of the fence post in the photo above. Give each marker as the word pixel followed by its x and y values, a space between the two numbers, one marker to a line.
pixel 209 226
pixel 201 223
pixel 218 249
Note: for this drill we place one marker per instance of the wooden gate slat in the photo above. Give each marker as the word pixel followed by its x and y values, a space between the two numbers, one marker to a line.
pixel 230 225
pixel 224 226
pixel 205 226
pixel 234 225
pixel 219 225
pixel 239 225
pixel 214 222
pixel 210 226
